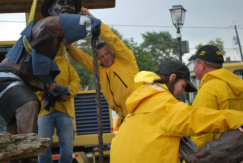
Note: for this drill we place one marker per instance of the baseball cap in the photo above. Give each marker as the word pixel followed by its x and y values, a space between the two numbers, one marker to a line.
pixel 209 53
pixel 175 67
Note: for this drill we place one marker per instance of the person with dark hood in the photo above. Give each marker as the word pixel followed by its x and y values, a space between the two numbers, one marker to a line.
pixel 156 120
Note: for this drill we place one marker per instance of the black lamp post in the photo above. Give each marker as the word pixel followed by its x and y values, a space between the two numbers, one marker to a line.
pixel 178 15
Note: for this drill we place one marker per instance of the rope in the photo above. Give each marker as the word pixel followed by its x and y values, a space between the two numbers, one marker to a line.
pixel 94 39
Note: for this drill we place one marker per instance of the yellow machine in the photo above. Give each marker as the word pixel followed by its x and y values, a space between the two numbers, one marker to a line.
pixel 86 128
pixel 235 67
pixel 5 46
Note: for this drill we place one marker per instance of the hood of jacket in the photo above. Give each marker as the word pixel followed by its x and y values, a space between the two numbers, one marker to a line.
pixel 234 82
pixel 143 83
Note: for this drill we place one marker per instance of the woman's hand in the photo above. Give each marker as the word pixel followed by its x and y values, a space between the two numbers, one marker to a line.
pixel 241 129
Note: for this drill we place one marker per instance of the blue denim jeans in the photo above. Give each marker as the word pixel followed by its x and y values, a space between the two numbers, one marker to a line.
pixel 65 132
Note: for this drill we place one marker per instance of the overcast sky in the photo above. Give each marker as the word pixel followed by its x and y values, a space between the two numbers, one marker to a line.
pixel 205 20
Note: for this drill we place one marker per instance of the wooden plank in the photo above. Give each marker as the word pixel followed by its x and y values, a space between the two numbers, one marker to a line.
pixel 95 4
pixel 15 6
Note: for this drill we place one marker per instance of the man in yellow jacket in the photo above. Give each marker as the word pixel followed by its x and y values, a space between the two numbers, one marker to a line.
pixel 220 89
pixel 117 68
pixel 156 119
pixel 57 110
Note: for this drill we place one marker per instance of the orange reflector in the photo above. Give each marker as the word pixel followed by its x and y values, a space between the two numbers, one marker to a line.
pixel 57 157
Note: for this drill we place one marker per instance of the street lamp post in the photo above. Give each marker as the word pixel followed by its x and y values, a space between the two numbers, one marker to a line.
pixel 178 15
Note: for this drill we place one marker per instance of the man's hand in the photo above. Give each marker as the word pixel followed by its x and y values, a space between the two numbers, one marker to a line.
pixel 66 45
pixel 51 87
pixel 85 11
pixel 65 97
pixel 96 32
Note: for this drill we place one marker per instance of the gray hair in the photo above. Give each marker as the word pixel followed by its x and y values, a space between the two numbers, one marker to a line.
pixel 210 64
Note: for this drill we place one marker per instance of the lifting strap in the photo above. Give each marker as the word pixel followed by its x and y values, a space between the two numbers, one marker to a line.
pixel 32 11
pixel 30 19
pixel 27 45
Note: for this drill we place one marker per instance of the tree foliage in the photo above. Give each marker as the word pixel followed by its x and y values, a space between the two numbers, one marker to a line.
pixel 144 60
pixel 217 42
pixel 160 46
pixel 86 77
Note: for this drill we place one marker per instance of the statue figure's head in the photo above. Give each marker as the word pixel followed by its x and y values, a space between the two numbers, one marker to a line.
pixel 55 7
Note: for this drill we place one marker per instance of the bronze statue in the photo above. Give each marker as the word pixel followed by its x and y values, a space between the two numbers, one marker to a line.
pixel 55 7
pixel 228 148
pixel 28 67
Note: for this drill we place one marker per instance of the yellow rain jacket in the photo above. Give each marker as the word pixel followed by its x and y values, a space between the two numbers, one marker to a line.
pixel 219 89
pixel 117 80
pixel 69 78
pixel 156 120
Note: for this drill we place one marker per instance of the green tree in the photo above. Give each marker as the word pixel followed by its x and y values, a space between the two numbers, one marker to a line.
pixel 217 42
pixel 144 60
pixel 160 46
pixel 86 77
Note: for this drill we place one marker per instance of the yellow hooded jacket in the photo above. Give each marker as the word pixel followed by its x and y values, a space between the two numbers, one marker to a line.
pixel 219 89
pixel 69 78
pixel 117 80
pixel 156 120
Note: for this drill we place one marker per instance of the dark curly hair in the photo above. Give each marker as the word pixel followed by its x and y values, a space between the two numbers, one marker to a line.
pixel 46 4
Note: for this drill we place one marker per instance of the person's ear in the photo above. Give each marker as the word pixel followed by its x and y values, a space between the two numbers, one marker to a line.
pixel 202 65
pixel 172 77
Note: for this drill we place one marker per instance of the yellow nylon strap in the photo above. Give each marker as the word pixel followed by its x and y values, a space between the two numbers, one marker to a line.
pixel 27 45
pixel 32 11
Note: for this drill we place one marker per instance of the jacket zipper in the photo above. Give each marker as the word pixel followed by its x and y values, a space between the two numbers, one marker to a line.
pixel 120 79
pixel 111 90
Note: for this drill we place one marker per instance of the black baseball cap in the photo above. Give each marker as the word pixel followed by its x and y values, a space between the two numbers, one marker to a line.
pixel 209 53
pixel 169 67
